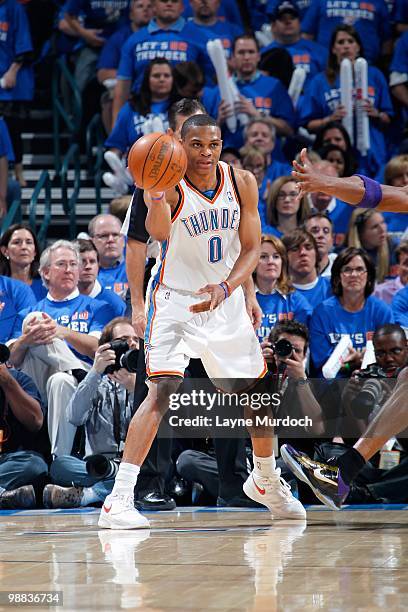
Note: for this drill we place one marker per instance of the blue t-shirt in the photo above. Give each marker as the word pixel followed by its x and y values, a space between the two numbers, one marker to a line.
pixel 399 307
pixel 39 290
pixel 114 278
pixel 129 125
pixel 330 321
pixel 15 39
pixel 14 296
pixel 317 294
pixel 397 223
pixel 399 62
pixel 81 314
pixel 111 50
pixel 321 99
pixel 176 44
pixel 268 96
pixel 117 305
pixel 371 20
pixel 277 307
pixel 105 15
pixel 228 11
pixel 6 148
pixel 305 54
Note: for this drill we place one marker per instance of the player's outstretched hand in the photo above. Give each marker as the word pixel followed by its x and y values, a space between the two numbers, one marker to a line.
pixel 309 180
pixel 216 294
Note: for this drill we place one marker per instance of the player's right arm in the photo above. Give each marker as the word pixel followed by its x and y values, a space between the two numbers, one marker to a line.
pixel 160 205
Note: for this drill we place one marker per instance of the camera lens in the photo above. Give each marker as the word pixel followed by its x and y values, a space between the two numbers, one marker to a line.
pixel 283 348
pixel 129 360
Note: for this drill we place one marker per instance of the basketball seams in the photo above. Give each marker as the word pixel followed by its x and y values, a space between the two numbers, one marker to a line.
pixel 147 156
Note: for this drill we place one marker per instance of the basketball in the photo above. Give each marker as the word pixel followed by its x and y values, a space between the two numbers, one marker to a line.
pixel 157 161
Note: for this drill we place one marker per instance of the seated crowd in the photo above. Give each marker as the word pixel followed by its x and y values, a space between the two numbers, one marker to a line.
pixel 326 272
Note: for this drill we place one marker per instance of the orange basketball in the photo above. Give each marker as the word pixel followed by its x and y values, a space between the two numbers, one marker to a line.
pixel 157 161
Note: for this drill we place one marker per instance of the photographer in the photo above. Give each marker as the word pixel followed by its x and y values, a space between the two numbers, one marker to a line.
pixel 21 419
pixel 285 353
pixel 103 404
pixel 368 389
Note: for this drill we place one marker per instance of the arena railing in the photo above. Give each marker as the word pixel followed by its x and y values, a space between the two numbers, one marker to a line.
pixel 69 201
pixel 43 183
pixel 14 215
pixel 95 138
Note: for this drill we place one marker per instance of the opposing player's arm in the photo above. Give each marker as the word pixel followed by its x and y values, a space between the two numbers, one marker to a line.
pixel 160 205
pixel 350 189
pixel 249 230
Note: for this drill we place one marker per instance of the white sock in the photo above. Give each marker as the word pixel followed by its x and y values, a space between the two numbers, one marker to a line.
pixel 264 466
pixel 126 478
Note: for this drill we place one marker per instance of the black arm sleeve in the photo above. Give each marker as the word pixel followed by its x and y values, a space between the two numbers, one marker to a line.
pixel 137 221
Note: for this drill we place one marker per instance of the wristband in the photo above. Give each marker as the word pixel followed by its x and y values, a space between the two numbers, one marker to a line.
pixel 224 285
pixel 373 193
pixel 157 199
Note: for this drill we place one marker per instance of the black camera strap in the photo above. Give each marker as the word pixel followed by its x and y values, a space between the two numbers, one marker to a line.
pixel 116 417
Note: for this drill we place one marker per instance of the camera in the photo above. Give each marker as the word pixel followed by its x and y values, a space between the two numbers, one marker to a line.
pixel 282 348
pixel 124 357
pixel 4 353
pixel 372 391
pixel 99 466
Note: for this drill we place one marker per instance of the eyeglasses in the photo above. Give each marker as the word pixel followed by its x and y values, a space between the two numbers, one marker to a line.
pixel 107 235
pixel 291 195
pixel 66 265
pixel 357 271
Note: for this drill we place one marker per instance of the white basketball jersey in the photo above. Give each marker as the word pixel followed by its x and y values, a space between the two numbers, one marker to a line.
pixel 204 243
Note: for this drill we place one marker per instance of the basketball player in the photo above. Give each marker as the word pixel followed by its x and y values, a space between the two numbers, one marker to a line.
pixel 357 190
pixel 209 228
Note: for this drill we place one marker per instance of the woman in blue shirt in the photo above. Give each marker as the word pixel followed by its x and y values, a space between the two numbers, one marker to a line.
pixel 20 257
pixel 351 310
pixel 368 230
pixel 277 298
pixel 321 103
pixel 157 94
pixel 285 211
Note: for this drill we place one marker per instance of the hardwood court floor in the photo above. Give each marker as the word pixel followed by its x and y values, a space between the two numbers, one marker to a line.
pixel 204 559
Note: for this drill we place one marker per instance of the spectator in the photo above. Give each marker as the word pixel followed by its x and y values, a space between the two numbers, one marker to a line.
pixel 20 257
pixel 399 74
pixel 339 212
pixel 306 54
pixel 321 227
pixel 351 310
pixel 22 417
pixel 140 13
pixel 385 291
pixel 167 35
pixel 321 104
pixel 254 160
pixel 54 339
pixel 259 94
pixel 399 307
pixel 368 231
pixel 104 231
pixel 88 283
pixel 301 6
pixel 260 132
pixel 10 189
pixel 188 80
pixel 285 211
pixel 274 292
pixel 14 296
pixel 401 15
pixel 231 156
pixel 135 118
pixel 339 158
pixel 102 403
pixel 303 265
pixel 209 25
pixel 228 10
pixel 396 174
pixel 334 133
pixel 17 76
pixel 101 20
pixel 372 23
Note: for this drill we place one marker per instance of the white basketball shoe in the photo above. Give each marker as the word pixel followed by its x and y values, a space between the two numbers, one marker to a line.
pixel 274 493
pixel 119 512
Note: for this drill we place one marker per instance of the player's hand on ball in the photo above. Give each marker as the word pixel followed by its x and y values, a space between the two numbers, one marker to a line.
pixel 217 295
